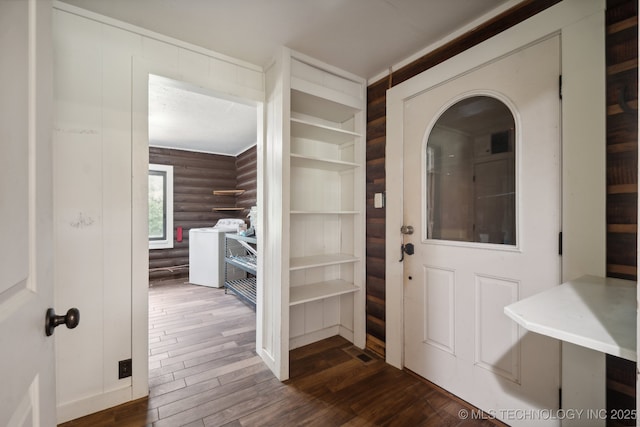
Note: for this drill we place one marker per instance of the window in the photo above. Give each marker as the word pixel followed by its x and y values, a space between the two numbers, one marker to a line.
pixel 470 173
pixel 160 206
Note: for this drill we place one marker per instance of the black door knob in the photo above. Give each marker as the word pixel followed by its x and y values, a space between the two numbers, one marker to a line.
pixel 71 319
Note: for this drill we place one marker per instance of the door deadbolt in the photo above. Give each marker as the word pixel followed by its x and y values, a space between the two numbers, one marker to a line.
pixel 406 229
pixel 406 249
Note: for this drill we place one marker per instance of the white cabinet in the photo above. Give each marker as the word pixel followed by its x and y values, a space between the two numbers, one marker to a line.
pixel 321 149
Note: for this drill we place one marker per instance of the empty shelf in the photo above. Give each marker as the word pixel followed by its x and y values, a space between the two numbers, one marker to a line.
pixel 316 291
pixel 309 130
pixel 319 163
pixel 302 263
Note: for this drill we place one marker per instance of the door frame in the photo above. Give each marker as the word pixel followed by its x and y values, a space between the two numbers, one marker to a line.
pixel 141 69
pixel 581 26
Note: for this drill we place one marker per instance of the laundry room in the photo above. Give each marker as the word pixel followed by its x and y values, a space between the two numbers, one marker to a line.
pixel 202 177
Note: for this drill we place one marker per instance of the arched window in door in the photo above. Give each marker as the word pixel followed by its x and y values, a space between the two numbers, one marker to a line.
pixel 470 173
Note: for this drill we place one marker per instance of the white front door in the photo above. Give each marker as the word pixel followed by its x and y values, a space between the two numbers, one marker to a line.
pixel 482 192
pixel 27 394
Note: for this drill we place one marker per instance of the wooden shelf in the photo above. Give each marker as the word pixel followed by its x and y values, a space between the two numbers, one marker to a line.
pixel 306 129
pixel 228 192
pixel 228 209
pixel 301 161
pixel 303 263
pixel 317 291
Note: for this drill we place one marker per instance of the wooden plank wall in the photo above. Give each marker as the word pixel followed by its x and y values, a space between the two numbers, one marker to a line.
pixel 622 177
pixel 196 175
pixel 376 143
pixel 246 175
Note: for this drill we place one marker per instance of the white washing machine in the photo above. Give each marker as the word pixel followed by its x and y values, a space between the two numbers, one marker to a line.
pixel 206 253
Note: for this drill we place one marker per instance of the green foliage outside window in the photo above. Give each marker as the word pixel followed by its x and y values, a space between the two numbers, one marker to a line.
pixel 156 205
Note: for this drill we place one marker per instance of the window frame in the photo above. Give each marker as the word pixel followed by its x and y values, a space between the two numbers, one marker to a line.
pixel 425 239
pixel 167 241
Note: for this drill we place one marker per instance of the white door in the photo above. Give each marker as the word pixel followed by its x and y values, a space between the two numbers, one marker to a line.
pixel 482 191
pixel 27 394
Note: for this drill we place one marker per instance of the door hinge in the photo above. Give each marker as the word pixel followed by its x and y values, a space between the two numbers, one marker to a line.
pixel 560 243
pixel 560 86
pixel 560 398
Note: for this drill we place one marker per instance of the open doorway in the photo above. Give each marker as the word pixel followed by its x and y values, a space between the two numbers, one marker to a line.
pixel 202 162
pixel 209 144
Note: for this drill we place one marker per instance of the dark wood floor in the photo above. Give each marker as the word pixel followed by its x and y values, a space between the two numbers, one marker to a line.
pixel 204 372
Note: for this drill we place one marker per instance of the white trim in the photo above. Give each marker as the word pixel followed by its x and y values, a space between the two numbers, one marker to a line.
pixel 315 336
pixel 151 34
pixel 140 259
pixel 171 147
pixel 507 102
pixel 573 19
pixel 72 410
pixel 167 242
pixel 139 229
pixel 32 135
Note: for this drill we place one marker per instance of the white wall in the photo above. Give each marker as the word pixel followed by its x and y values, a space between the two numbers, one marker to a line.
pixel 93 208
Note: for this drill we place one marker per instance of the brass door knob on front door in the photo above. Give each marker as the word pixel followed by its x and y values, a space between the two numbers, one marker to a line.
pixel 406 229
pixel 71 319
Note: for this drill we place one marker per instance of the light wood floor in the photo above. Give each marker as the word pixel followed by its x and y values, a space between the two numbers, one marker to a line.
pixel 204 372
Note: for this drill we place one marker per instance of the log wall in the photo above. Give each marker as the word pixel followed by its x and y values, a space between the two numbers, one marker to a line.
pixel 246 167
pixel 195 176
pixel 622 179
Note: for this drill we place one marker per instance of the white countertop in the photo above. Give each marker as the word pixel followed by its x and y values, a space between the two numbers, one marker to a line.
pixel 594 312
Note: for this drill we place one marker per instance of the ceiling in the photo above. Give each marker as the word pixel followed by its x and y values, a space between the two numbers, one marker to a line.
pixel 364 37
pixel 187 117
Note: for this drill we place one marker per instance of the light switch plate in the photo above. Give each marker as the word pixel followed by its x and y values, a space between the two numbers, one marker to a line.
pixel 378 200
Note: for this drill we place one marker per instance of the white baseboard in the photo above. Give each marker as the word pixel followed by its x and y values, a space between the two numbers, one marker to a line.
pixel 80 408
